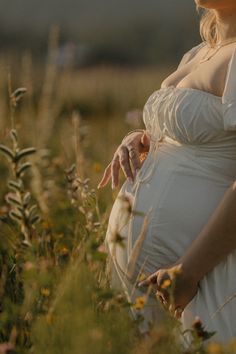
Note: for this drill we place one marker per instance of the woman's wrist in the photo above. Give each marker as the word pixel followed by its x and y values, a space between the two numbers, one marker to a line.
pixel 189 272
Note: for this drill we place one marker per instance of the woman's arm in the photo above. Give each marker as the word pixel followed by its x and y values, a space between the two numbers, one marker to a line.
pixel 216 240
pixel 213 244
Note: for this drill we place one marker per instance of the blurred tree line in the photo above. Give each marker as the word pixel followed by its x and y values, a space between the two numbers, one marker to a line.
pixel 127 32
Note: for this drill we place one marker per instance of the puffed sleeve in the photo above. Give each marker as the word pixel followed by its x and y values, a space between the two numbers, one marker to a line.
pixel 229 96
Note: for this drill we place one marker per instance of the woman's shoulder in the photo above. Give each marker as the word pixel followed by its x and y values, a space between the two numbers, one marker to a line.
pixel 191 53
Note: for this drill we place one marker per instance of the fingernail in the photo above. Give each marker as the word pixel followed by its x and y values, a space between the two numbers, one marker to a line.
pixel 142 283
pixel 98 187
pixel 113 186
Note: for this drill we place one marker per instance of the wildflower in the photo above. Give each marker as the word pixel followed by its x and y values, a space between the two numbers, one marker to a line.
pixel 64 251
pixel 200 331
pixel 139 303
pixel 45 292
pixel 97 167
pixel 49 318
pixel 166 284
pixel 214 348
pixel 141 277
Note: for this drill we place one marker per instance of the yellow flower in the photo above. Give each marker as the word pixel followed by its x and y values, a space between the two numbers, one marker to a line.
pixel 64 251
pixel 139 303
pixel 166 283
pixel 214 348
pixel 97 167
pixel 141 277
pixel 45 292
pixel 49 318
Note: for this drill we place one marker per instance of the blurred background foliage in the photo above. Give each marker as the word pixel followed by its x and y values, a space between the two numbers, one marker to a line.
pixel 133 32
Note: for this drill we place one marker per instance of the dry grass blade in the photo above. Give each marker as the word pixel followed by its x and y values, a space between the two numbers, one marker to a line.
pixel 136 249
pixel 223 305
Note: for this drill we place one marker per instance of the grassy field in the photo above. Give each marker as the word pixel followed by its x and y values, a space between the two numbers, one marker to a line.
pixel 56 139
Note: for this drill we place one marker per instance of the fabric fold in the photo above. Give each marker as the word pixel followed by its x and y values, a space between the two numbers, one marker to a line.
pixel 229 95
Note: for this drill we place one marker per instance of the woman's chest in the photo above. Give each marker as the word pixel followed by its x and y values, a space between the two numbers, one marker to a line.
pixel 209 76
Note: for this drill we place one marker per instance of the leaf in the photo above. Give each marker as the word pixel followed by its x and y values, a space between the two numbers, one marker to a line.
pixel 24 152
pixel 71 169
pixel 7 152
pixel 14 135
pixel 23 168
pixel 16 186
pixel 35 219
pixel 17 95
pixel 26 198
pixel 21 210
pixel 13 200
pixel 15 216
pixel 32 210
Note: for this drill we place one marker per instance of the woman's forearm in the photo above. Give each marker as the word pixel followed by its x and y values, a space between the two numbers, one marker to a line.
pixel 216 240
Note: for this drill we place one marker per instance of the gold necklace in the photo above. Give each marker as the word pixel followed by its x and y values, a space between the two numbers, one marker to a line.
pixel 207 57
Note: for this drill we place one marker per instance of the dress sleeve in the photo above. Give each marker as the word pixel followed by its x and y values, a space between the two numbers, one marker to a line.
pixel 190 54
pixel 229 96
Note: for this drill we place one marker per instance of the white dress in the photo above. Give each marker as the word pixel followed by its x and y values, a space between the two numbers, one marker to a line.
pixel 178 187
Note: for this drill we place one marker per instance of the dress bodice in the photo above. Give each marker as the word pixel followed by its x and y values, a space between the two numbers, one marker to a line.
pixel 199 128
pixel 194 117
pixel 187 115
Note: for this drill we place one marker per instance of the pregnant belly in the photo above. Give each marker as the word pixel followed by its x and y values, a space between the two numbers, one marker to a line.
pixel 179 201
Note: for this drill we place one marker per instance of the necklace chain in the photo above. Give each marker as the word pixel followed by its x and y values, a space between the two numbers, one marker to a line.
pixel 207 57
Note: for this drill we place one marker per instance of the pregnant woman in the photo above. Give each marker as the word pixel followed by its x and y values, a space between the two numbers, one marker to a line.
pixel 179 208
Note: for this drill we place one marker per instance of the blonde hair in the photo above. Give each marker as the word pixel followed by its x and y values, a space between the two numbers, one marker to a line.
pixel 208 27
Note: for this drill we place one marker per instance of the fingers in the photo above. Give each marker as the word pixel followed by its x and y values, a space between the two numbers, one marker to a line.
pixel 151 280
pixel 145 141
pixel 106 177
pixel 134 157
pixel 115 169
pixel 162 300
pixel 124 159
pixel 178 312
pixel 127 155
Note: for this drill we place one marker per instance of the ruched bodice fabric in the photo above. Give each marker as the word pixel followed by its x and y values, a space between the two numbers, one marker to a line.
pixel 190 165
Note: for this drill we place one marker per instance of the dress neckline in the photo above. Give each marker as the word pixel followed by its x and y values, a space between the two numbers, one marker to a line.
pixel 209 94
pixel 222 98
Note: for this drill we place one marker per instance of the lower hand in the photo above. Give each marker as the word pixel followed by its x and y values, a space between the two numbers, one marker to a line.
pixel 175 288
pixel 126 157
